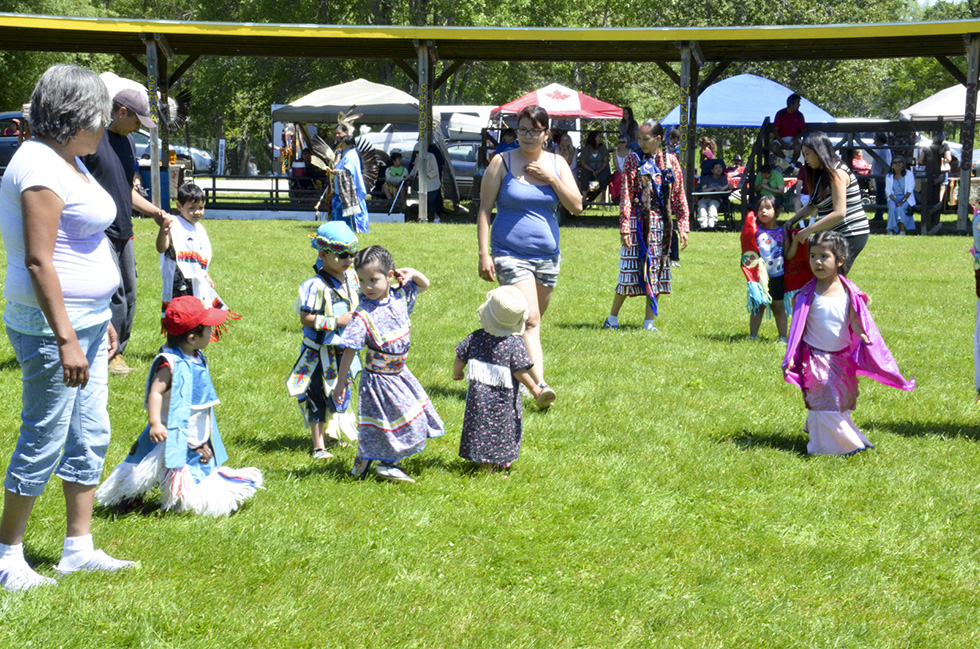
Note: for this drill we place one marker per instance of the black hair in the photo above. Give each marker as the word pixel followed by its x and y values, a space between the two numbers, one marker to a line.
pixel 654 126
pixel 792 99
pixel 537 115
pixel 508 132
pixel 765 169
pixel 349 141
pixel 343 128
pixel 592 139
pixel 674 132
pixel 767 198
pixel 823 148
pixel 189 193
pixel 396 155
pixel 174 340
pixel 836 243
pixel 374 255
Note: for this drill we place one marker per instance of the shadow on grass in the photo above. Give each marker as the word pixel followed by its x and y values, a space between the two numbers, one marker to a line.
pixel 926 429
pixel 732 338
pixel 277 444
pixel 9 364
pixel 452 392
pixel 39 559
pixel 789 442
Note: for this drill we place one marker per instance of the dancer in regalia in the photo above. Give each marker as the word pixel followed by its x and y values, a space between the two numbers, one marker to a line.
pixel 651 188
pixel 180 450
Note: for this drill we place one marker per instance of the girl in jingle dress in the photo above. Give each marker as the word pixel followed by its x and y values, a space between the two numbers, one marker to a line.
pixel 652 185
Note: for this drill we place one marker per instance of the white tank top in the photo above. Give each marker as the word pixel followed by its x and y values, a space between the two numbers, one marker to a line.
pixel 826 324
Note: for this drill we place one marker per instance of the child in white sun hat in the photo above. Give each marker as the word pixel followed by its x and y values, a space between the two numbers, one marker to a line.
pixel 496 363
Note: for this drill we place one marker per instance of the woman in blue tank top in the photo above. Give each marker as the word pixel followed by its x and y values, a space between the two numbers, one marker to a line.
pixel 521 248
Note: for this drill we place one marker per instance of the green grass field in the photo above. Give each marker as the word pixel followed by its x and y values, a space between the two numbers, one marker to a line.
pixel 664 501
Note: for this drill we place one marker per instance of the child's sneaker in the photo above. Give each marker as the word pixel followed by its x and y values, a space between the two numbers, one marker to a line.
pixel 360 468
pixel 321 454
pixel 391 472
pixel 611 323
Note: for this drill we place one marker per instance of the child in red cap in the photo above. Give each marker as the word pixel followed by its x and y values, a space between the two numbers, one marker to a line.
pixel 180 449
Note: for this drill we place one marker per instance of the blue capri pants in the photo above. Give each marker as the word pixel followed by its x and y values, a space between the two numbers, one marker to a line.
pixel 63 430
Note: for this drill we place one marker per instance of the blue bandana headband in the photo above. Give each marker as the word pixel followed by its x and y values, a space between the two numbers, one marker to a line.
pixel 335 237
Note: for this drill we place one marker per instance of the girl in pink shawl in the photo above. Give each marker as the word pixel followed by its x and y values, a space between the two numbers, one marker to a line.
pixel 832 340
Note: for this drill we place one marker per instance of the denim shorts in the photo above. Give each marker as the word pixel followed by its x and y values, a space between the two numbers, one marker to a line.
pixel 63 430
pixel 511 270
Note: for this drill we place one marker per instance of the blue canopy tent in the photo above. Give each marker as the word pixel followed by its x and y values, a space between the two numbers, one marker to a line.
pixel 745 100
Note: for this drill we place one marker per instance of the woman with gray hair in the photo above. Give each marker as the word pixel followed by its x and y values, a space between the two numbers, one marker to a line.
pixel 60 277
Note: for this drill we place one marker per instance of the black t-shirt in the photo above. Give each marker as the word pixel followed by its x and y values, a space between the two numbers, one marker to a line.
pixel 113 165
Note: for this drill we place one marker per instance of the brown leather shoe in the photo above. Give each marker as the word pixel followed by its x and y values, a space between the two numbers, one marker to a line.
pixel 118 366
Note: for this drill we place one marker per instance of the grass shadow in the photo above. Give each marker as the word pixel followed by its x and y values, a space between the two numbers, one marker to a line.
pixel 732 337
pixel 452 392
pixel 945 429
pixel 788 442
pixel 39 559
pixel 277 444
pixel 338 468
pixel 9 364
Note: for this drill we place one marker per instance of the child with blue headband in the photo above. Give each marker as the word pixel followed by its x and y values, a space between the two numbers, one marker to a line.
pixel 325 304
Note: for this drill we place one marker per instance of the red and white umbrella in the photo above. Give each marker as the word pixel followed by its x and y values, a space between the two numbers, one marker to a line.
pixel 560 101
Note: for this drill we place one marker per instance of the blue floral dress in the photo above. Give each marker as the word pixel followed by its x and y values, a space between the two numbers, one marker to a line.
pixel 394 415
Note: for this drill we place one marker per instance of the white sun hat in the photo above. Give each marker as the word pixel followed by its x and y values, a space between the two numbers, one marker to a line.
pixel 504 313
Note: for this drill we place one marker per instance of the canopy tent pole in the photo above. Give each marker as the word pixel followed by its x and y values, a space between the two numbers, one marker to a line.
pixel 964 217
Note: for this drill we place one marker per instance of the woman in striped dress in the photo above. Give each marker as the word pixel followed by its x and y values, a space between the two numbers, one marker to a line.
pixel 835 197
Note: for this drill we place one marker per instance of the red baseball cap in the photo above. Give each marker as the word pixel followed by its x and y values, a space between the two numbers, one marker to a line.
pixel 186 312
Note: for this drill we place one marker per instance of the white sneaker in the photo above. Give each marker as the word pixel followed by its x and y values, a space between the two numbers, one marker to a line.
pixel 391 472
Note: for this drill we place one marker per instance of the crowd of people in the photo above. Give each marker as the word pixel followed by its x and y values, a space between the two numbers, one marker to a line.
pixel 67 235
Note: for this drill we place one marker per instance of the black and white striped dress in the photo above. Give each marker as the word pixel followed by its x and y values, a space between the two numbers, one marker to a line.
pixel 855 221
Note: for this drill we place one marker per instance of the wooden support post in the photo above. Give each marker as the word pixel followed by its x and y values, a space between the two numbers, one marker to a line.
pixel 425 126
pixel 152 84
pixel 964 217
pixel 689 112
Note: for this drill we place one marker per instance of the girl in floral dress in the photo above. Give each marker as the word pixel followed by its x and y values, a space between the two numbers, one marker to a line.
pixel 395 416
pixel 496 363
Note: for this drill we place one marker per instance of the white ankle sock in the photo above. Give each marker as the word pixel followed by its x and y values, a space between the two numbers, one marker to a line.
pixel 15 574
pixel 648 325
pixel 80 554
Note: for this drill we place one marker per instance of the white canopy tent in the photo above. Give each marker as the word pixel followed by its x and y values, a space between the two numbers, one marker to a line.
pixel 377 103
pixel 946 104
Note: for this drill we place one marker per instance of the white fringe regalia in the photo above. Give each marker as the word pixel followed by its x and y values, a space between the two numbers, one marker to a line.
pixel 186 484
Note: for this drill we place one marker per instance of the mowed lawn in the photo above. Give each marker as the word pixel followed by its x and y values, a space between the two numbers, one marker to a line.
pixel 664 501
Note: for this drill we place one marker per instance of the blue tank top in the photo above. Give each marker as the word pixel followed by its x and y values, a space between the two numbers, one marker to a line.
pixel 526 225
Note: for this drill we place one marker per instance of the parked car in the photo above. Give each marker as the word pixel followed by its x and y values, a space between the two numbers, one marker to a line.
pixel 9 136
pixel 203 162
pixel 462 156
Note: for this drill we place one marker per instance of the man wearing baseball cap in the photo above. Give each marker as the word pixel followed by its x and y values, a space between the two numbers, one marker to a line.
pixel 114 166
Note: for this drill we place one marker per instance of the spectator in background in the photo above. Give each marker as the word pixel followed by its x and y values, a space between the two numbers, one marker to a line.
pixel 674 142
pixel 900 189
pixel 619 158
pixel 508 141
pixel 769 181
pixel 790 125
pixel 627 127
pixel 707 149
pixel 861 167
pixel 569 153
pixel 593 165
pixel 716 181
pixel 114 166
pixel 394 177
pixel 253 168
pixel 880 168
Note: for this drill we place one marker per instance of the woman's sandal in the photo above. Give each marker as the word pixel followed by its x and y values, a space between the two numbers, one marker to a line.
pixel 321 454
pixel 546 397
